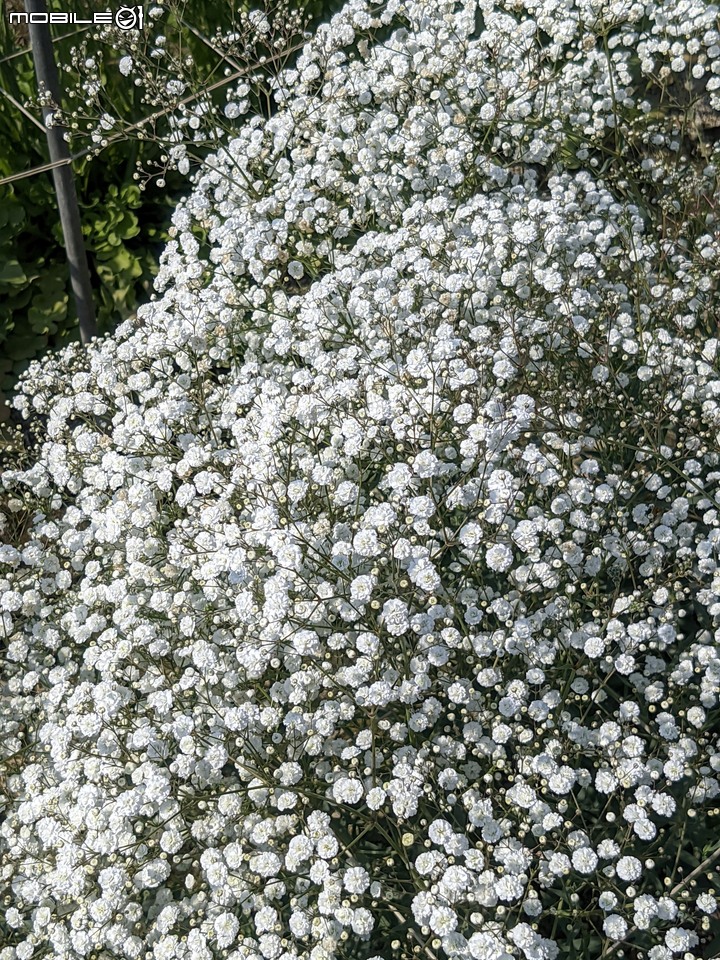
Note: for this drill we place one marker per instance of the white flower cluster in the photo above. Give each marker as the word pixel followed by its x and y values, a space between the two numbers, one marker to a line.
pixel 367 605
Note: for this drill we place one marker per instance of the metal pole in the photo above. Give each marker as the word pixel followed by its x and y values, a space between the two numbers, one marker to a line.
pixel 47 79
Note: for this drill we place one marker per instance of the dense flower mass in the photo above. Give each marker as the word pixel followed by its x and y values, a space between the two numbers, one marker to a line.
pixel 367 601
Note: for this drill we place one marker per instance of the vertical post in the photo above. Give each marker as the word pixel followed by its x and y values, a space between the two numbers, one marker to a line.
pixel 47 79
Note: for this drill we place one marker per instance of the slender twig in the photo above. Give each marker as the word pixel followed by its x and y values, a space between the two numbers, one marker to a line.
pixel 42 168
pixel 223 56
pixel 394 910
pixel 26 50
pixel 21 108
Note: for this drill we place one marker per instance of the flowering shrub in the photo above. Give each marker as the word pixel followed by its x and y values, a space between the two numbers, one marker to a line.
pixel 367 600
pixel 158 87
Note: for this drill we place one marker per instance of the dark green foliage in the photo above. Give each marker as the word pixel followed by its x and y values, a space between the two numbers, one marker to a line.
pixel 124 230
pixel 125 227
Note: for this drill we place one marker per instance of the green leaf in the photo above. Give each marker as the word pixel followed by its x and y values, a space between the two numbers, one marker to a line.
pixel 123 265
pixel 128 226
pixel 130 195
pixel 53 284
pixel 12 272
pixel 24 348
pixel 44 310
pixel 11 214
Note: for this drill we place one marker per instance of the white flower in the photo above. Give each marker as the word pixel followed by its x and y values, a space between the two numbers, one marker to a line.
pixel 679 940
pixel 443 920
pixel 347 790
pixel 707 903
pixel 376 798
pixel 471 535
pixel 125 66
pixel 629 868
pixel 423 573
pixel 440 831
pixel 584 860
pixel 259 22
pixel 615 926
pixel 366 543
pixel 608 849
pixel 594 647
pixel 295 269
pixel 299 923
pixel 326 846
pixel 395 617
pixel 361 588
pixel 226 929
pixel 607 900
pixel 499 557
pixel 426 464
pixel 362 922
pixel 356 880
pixel 266 864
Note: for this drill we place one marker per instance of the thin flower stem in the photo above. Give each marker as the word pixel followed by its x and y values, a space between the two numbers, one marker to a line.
pixel 157 115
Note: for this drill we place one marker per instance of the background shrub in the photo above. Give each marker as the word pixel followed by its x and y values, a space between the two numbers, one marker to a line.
pixel 37 312
pixel 125 215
